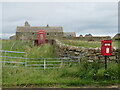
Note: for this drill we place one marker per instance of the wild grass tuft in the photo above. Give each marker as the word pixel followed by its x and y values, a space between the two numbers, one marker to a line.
pixel 75 75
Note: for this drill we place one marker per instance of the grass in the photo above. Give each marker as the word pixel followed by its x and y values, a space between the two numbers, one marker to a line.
pixel 86 44
pixel 18 46
pixel 116 43
pixel 44 51
pixel 85 74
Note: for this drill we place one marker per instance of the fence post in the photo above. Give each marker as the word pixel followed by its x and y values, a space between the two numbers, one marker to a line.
pixel 61 62
pixel 26 60
pixel 4 57
pixel 79 60
pixel 44 64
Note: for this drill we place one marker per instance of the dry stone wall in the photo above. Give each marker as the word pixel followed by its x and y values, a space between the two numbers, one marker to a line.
pixel 91 54
pixel 93 38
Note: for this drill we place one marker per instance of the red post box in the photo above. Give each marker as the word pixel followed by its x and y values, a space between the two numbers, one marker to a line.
pixel 41 37
pixel 106 47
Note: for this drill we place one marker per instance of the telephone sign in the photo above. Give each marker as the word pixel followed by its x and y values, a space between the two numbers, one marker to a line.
pixel 106 47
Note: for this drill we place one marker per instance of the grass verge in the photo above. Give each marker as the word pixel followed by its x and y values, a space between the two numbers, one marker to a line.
pixel 84 74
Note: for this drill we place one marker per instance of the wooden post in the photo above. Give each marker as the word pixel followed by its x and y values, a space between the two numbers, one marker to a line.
pixel 44 64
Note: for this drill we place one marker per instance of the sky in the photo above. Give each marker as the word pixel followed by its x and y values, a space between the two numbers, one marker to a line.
pixel 96 18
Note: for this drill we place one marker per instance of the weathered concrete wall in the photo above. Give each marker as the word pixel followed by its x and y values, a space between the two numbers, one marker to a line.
pixel 92 54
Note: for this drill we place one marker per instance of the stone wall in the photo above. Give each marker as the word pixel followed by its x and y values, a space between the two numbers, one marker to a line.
pixel 91 54
pixel 89 38
pixel 33 35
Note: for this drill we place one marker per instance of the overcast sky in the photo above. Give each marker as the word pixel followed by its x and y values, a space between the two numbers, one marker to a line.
pixel 82 18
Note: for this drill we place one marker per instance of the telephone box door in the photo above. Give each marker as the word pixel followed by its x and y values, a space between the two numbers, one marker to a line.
pixel 41 37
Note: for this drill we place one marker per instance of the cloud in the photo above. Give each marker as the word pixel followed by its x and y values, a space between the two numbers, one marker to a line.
pixel 95 18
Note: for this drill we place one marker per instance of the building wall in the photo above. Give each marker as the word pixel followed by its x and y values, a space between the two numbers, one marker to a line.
pixel 54 34
pixel 28 32
pixel 33 35
pixel 69 34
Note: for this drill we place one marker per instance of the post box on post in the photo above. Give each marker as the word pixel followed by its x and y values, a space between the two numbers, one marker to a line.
pixel 106 49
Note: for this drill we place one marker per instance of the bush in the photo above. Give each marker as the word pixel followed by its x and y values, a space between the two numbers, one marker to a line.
pixel 110 74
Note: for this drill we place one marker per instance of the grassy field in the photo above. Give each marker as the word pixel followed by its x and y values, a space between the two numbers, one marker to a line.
pixel 80 75
pixel 44 51
pixel 86 44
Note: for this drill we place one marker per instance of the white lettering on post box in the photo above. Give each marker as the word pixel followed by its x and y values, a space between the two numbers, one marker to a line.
pixel 107 50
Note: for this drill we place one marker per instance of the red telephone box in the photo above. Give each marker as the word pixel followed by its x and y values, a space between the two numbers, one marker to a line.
pixel 41 37
pixel 106 47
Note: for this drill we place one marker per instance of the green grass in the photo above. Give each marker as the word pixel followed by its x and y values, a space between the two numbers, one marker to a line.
pixel 18 46
pixel 84 74
pixel 86 44
pixel 44 51
pixel 115 43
